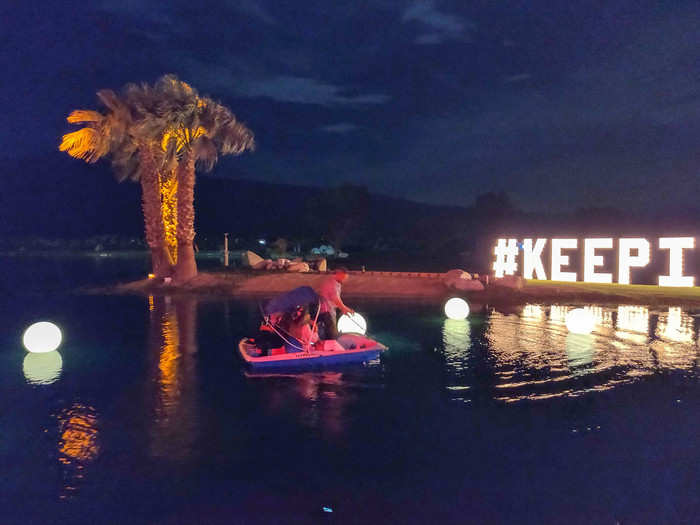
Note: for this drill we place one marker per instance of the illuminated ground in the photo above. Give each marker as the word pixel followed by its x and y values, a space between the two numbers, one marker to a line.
pixel 425 287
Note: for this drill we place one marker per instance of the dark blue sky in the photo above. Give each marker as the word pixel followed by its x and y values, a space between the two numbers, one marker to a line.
pixel 559 103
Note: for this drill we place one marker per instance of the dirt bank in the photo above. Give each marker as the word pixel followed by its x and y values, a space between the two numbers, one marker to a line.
pixel 415 286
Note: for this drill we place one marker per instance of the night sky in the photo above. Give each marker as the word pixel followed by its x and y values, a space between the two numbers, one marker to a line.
pixel 561 104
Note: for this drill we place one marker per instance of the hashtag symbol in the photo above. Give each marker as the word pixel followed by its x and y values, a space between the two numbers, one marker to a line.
pixel 506 257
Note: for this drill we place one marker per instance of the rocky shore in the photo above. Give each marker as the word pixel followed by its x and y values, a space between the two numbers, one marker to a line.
pixel 416 286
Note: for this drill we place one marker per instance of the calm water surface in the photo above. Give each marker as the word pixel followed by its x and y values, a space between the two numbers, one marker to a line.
pixel 146 415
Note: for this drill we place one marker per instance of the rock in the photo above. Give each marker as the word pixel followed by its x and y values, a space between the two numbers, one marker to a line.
pixel 251 259
pixel 510 281
pixel 298 267
pixel 454 276
pixel 467 284
pixel 321 265
pixel 261 264
pixel 282 263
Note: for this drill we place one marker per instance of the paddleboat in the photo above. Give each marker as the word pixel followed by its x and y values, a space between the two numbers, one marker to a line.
pixel 348 348
pixel 274 347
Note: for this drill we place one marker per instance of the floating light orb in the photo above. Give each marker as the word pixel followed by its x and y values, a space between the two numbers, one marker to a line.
pixel 580 321
pixel 457 308
pixel 352 324
pixel 42 337
pixel 42 369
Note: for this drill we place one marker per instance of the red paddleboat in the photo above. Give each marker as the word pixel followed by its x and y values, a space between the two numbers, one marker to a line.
pixel 287 351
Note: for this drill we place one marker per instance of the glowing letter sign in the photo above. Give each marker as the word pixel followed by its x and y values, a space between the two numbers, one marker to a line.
pixel 532 259
pixel 506 257
pixel 591 260
pixel 627 260
pixel 676 245
pixel 559 260
pixel 632 253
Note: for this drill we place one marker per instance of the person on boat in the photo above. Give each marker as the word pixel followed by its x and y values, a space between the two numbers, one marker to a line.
pixel 330 301
pixel 267 337
pixel 300 331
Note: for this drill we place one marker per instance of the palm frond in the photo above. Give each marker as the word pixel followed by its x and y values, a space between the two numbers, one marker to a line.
pixel 125 165
pixel 110 99
pixel 83 144
pixel 84 115
pixel 205 153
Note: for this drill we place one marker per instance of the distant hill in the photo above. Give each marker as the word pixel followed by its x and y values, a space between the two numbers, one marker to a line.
pixel 56 196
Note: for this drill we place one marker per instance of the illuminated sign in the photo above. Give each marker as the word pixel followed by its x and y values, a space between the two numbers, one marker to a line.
pixel 632 253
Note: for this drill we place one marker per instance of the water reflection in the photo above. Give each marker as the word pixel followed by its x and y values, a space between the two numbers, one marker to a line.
pixel 675 326
pixel 78 444
pixel 533 356
pixel 632 324
pixel 456 341
pixel 673 347
pixel 173 348
pixel 579 352
pixel 42 369
pixel 319 399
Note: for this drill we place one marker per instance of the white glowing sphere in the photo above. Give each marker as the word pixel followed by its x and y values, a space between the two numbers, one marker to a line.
pixel 580 321
pixel 352 324
pixel 42 337
pixel 42 369
pixel 457 308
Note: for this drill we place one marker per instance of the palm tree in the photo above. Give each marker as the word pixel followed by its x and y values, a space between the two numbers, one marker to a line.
pixel 122 132
pixel 198 129
pixel 157 135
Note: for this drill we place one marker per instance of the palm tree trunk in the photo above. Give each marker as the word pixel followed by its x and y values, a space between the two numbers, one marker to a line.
pixel 152 218
pixel 186 267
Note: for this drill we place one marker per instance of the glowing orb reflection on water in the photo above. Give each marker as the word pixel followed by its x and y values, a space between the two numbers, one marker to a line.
pixel 580 321
pixel 457 308
pixel 352 324
pixel 42 337
pixel 42 369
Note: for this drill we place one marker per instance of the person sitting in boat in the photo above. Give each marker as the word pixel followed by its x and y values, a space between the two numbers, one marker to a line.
pixel 329 292
pixel 302 330
pixel 297 330
pixel 267 337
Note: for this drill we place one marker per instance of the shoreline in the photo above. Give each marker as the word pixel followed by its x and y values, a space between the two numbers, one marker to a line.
pixel 410 286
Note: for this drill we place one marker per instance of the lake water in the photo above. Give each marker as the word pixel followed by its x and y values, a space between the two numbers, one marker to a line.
pixel 148 416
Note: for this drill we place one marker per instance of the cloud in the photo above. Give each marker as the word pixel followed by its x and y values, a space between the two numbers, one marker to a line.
pixel 341 127
pixel 439 26
pixel 517 78
pixel 253 9
pixel 302 90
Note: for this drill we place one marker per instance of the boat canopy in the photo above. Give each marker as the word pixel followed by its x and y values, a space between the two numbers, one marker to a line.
pixel 287 301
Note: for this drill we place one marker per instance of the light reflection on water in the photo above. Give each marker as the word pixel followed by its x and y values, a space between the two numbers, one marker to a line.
pixel 320 397
pixel 78 444
pixel 534 356
pixel 173 349
pixel 42 369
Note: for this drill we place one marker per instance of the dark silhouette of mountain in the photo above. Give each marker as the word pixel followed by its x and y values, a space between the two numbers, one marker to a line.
pixel 56 196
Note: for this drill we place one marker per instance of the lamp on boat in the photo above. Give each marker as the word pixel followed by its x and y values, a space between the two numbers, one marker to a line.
pixel 352 324
pixel 580 321
pixel 42 337
pixel 457 308
pixel 42 369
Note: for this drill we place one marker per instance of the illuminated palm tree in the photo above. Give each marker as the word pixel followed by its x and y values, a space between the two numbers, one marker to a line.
pixel 157 135
pixel 123 132
pixel 198 129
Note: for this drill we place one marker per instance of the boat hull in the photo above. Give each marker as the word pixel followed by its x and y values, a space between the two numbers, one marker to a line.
pixel 349 348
